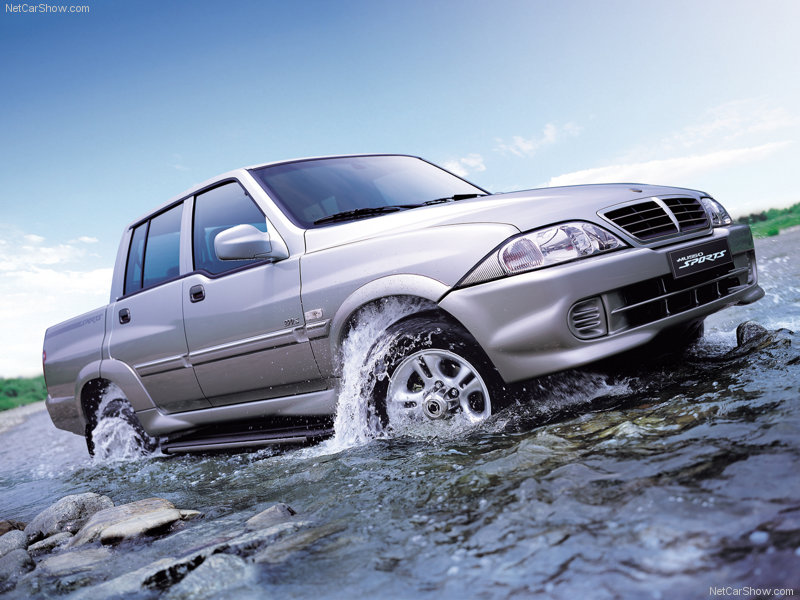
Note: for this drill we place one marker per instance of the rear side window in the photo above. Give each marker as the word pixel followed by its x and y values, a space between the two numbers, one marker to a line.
pixel 154 255
pixel 133 272
pixel 215 211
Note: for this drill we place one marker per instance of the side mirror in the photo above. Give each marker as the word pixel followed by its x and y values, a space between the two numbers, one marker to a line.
pixel 245 242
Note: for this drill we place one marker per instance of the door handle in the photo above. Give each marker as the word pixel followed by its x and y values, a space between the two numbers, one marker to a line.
pixel 124 316
pixel 197 293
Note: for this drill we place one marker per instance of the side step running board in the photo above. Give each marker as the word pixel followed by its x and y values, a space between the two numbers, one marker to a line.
pixel 245 440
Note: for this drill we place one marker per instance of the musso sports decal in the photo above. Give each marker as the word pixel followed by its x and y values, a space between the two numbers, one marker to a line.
pixel 699 258
pixel 694 259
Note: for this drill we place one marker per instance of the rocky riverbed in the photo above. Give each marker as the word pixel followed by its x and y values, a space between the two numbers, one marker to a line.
pixel 69 545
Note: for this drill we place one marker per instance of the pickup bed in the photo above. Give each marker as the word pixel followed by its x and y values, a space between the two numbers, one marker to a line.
pixel 230 303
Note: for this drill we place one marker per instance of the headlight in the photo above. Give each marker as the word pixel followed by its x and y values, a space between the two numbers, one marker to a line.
pixel 719 216
pixel 543 248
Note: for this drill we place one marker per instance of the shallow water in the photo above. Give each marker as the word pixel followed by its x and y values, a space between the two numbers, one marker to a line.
pixel 647 481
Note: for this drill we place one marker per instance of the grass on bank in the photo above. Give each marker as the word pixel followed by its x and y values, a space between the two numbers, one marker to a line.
pixel 21 390
pixel 771 222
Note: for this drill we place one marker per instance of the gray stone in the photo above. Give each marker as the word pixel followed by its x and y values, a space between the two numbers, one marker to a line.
pixel 278 513
pixel 244 544
pixel 248 542
pixel 172 571
pixel 217 573
pixel 12 540
pixel 12 566
pixel 139 525
pixel 127 521
pixel 68 514
pixel 50 543
pixel 69 563
pixel 283 549
pixel 129 583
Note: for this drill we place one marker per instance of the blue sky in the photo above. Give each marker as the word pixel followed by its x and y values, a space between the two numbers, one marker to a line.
pixel 106 114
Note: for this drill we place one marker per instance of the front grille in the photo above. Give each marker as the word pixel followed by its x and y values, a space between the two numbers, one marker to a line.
pixel 656 218
pixel 661 297
pixel 689 212
pixel 657 298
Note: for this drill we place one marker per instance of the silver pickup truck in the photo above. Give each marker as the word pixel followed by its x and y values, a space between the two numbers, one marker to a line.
pixel 230 303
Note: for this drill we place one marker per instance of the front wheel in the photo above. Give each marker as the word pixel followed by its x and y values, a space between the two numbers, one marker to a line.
pixel 431 369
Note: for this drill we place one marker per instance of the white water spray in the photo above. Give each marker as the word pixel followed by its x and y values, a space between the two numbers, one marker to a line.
pixel 353 423
pixel 115 439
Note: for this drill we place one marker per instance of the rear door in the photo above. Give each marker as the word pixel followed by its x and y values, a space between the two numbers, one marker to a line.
pixel 244 320
pixel 147 327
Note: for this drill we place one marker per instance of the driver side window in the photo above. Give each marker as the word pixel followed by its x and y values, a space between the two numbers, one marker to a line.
pixel 215 211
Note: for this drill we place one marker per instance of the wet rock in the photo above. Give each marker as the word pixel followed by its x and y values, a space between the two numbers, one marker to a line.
pixel 69 563
pixel 6 526
pixel 129 583
pixel 50 543
pixel 68 514
pixel 13 566
pixel 217 574
pixel 172 571
pixel 244 544
pixel 750 332
pixel 127 521
pixel 282 550
pixel 138 525
pixel 12 540
pixel 278 513
pixel 249 542
pixel 190 515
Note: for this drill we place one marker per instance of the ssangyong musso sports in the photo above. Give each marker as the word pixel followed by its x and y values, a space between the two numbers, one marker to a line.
pixel 229 304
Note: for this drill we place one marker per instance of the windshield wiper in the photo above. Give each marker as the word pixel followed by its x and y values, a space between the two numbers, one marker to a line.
pixel 454 198
pixel 361 212
pixel 358 213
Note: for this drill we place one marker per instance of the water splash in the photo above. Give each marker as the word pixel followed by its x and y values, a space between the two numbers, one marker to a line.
pixel 354 424
pixel 115 437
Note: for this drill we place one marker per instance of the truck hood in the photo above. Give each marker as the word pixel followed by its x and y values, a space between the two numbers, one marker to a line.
pixel 522 210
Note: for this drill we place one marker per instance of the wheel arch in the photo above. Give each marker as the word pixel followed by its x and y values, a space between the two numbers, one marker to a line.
pixel 424 290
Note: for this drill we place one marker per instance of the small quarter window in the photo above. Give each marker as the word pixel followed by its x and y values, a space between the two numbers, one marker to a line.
pixel 215 211
pixel 133 271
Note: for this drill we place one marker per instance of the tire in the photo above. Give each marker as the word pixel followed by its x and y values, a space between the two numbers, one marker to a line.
pixel 120 410
pixel 428 368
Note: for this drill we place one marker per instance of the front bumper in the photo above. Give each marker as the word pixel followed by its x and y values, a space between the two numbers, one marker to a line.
pixel 524 324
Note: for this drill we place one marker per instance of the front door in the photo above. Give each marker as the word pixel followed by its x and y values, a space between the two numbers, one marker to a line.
pixel 243 319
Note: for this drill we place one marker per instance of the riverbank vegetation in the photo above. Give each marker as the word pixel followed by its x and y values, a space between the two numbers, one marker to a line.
pixel 771 222
pixel 21 390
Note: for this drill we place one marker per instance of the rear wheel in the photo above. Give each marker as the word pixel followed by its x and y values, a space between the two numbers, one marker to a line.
pixel 431 369
pixel 115 430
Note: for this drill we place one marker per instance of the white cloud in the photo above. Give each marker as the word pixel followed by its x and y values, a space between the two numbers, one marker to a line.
pixel 522 146
pixel 669 170
pixel 39 287
pixel 472 163
pixel 33 238
pixel 731 121
pixel 85 239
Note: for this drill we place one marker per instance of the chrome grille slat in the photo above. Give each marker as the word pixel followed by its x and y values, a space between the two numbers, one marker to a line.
pixel 654 218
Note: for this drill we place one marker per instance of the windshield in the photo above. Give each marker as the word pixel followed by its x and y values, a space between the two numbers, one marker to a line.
pixel 311 190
